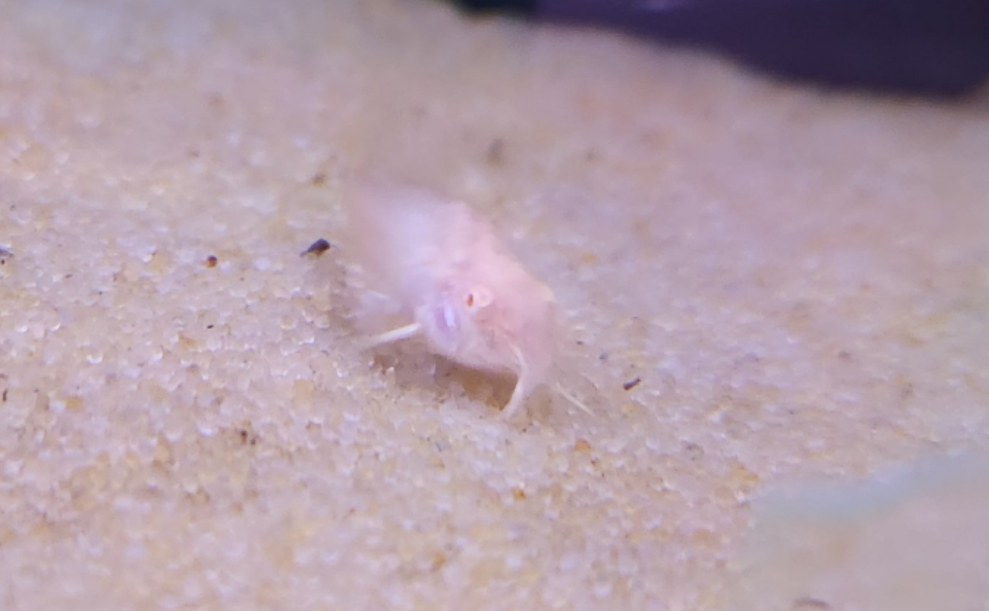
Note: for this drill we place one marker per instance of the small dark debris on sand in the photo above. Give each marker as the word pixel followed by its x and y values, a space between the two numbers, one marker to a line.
pixel 317 248
pixel 496 152
pixel 632 383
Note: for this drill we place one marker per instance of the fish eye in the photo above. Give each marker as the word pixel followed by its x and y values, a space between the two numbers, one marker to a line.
pixel 478 298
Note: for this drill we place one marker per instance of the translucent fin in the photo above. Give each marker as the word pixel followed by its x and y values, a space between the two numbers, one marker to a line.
pixel 395 335
pixel 518 398
pixel 521 388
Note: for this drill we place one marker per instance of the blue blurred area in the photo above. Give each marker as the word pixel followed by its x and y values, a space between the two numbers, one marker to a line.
pixel 914 538
pixel 926 47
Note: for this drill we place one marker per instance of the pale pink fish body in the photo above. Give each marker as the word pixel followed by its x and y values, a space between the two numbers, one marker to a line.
pixel 458 284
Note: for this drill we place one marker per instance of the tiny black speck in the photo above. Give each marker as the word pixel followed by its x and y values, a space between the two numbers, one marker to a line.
pixel 496 152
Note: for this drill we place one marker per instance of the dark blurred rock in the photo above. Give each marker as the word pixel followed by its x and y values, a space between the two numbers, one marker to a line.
pixel 929 47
